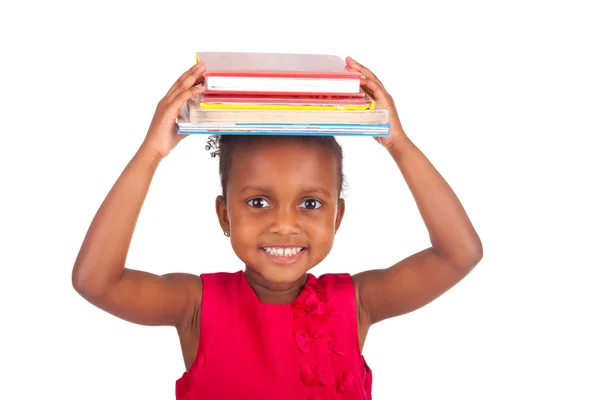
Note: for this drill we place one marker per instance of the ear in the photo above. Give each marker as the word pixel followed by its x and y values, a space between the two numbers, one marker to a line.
pixel 221 208
pixel 341 208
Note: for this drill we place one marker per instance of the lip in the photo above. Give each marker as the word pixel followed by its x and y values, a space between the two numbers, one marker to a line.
pixel 284 260
pixel 282 245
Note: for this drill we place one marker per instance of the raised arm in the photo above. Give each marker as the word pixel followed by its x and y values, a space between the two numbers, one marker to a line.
pixel 455 246
pixel 99 273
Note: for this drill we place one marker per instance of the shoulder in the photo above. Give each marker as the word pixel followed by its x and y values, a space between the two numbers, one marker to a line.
pixel 196 285
pixel 335 287
pixel 200 287
pixel 337 281
pixel 221 284
pixel 346 288
pixel 222 278
pixel 191 283
pixel 332 279
pixel 340 292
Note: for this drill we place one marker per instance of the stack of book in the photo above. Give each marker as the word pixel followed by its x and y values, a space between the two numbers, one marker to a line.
pixel 281 94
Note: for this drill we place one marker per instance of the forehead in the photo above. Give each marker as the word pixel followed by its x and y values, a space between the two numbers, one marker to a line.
pixel 284 163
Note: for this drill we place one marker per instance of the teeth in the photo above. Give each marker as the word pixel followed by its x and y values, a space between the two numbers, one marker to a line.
pixel 285 252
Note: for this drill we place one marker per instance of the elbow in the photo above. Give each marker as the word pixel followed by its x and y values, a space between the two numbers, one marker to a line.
pixel 464 257
pixel 470 256
pixel 87 285
pixel 80 275
pixel 80 283
pixel 474 258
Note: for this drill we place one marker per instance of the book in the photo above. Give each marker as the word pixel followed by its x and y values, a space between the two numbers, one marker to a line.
pixel 376 116
pixel 284 129
pixel 277 74
pixel 281 94
pixel 193 119
pixel 217 101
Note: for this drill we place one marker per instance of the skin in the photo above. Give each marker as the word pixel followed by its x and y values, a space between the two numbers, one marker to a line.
pixel 280 193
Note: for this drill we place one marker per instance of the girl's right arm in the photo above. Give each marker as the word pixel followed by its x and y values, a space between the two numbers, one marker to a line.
pixel 99 273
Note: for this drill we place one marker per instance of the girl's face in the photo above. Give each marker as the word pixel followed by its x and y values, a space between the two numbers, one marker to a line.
pixel 283 207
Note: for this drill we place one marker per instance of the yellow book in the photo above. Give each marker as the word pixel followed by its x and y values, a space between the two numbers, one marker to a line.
pixel 236 116
pixel 286 103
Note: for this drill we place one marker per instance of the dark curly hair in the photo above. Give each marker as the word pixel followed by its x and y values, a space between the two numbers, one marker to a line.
pixel 224 147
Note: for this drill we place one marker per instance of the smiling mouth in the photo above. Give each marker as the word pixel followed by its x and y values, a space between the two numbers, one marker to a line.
pixel 284 252
pixel 284 255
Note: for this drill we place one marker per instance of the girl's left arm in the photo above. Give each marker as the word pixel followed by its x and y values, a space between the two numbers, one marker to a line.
pixel 455 246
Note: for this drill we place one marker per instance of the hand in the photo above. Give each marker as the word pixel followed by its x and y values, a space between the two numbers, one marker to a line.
pixel 374 88
pixel 163 135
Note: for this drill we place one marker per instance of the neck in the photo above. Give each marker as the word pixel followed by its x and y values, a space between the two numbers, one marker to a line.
pixel 274 293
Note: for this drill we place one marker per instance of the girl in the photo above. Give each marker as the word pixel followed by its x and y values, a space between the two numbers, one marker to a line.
pixel 274 331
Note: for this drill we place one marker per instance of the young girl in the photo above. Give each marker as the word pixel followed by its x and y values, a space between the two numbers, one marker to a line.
pixel 274 331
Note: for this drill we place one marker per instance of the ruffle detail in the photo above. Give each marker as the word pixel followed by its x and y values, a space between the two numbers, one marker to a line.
pixel 306 340
pixel 316 375
pixel 344 383
pixel 315 337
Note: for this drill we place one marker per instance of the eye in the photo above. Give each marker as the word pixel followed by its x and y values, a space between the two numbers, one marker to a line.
pixel 258 202
pixel 311 204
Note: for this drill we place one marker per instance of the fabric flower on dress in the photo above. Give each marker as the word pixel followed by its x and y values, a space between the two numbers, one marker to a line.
pixel 333 346
pixel 314 306
pixel 315 375
pixel 310 303
pixel 344 383
pixel 305 340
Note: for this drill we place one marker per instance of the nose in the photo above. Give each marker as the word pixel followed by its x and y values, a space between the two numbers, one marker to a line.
pixel 285 221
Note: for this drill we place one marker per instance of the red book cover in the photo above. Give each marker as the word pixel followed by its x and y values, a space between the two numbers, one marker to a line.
pixel 361 100
pixel 275 66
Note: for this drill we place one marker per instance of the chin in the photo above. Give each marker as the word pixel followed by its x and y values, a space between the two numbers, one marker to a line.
pixel 279 268
pixel 280 275
pixel 277 273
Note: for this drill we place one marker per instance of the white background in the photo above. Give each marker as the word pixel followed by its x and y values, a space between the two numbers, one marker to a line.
pixel 503 98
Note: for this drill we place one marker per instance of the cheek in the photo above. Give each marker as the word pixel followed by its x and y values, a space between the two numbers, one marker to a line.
pixel 244 234
pixel 245 226
pixel 321 228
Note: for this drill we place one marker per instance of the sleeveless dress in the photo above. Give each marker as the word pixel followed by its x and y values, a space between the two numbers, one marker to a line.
pixel 306 350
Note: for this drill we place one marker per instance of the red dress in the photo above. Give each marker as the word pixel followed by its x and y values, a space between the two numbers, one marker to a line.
pixel 300 351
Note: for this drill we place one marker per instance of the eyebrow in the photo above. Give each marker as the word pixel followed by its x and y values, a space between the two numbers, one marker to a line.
pixel 252 189
pixel 304 192
pixel 317 190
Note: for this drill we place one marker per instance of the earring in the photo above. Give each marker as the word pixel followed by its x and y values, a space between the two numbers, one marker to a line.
pixel 226 233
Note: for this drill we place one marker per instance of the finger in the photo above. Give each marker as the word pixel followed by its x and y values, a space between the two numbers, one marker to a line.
pixel 187 81
pixel 174 107
pixel 377 92
pixel 362 69
pixel 194 71
pixel 194 86
pixel 182 77
pixel 368 91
